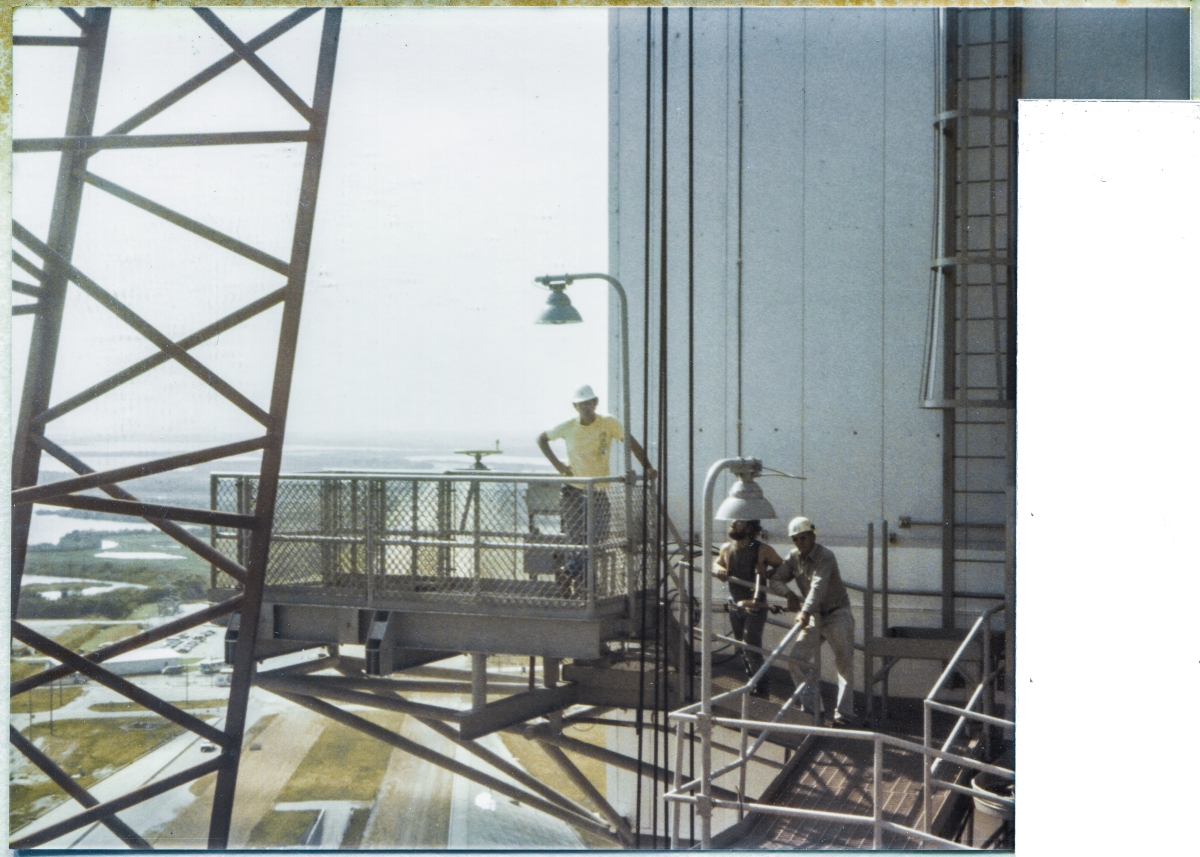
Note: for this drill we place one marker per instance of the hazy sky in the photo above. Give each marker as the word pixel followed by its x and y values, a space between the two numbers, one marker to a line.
pixel 466 154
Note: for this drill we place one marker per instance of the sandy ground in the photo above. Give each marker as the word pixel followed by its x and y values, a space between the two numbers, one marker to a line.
pixel 419 805
pixel 261 776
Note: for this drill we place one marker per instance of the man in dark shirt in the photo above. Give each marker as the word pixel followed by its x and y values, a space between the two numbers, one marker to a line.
pixel 746 564
pixel 824 615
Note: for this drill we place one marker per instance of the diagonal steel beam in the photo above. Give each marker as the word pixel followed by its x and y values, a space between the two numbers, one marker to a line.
pixel 255 62
pixel 184 222
pixel 196 545
pixel 97 479
pixel 502 765
pixel 127 689
pixel 167 629
pixel 142 366
pixel 108 808
pixel 585 785
pixel 27 289
pixel 25 309
pixel 81 795
pixel 268 483
pixel 156 510
pixel 47 324
pixel 518 708
pixel 452 765
pixel 332 687
pixel 29 268
pixel 73 15
pixel 545 733
pixel 91 288
pixel 227 62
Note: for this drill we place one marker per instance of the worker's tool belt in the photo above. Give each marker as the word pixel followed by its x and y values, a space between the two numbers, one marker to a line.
pixel 833 610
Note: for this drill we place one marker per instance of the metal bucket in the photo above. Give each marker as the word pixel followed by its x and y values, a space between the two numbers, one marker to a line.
pixel 987 788
pixel 992 823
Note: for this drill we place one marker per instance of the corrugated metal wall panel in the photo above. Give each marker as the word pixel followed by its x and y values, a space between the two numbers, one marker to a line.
pixel 825 290
pixel 843 242
pixel 1106 53
pixel 836 221
pixel 911 443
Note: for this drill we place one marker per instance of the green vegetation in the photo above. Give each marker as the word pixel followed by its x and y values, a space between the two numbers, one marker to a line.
pixel 281 829
pixel 343 764
pixel 185 578
pixel 23 669
pixel 89 637
pixel 76 638
pixel 352 838
pixel 86 750
pixel 41 699
pixel 116 604
pixel 178 703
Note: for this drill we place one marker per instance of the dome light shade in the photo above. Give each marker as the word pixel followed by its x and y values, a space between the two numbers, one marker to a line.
pixel 745 503
pixel 558 307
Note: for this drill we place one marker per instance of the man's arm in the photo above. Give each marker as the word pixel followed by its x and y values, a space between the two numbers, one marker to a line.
pixel 778 583
pixel 719 564
pixel 824 568
pixel 640 455
pixel 768 559
pixel 543 443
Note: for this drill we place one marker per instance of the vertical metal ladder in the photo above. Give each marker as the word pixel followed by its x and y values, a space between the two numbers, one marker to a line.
pixel 970 360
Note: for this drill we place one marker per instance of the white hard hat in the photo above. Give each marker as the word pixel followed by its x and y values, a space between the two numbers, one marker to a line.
pixel 584 394
pixel 800 525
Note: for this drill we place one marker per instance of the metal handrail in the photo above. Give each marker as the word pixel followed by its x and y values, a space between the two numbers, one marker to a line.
pixel 466 534
pixel 684 792
pixel 430 476
pixel 985 690
pixel 678 794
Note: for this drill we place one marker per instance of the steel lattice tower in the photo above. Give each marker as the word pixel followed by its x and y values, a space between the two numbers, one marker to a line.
pixel 53 272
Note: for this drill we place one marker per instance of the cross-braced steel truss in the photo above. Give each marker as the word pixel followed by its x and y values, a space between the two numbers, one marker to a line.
pixel 53 272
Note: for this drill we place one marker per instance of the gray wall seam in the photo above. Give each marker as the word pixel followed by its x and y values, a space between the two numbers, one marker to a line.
pixel 803 258
pixel 883 285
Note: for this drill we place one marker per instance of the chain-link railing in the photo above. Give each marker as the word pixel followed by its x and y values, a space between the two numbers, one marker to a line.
pixel 472 537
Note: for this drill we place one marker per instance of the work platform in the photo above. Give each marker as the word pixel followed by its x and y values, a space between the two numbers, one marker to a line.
pixel 437 563
pixel 834 775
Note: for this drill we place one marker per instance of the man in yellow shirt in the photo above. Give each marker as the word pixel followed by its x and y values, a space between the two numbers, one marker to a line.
pixel 589 438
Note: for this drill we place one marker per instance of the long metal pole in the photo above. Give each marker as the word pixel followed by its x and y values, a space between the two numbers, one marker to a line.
pixel 705 803
pixel 877 794
pixel 869 625
pixel 243 668
pixel 47 324
pixel 626 421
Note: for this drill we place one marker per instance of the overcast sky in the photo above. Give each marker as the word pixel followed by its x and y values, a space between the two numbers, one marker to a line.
pixel 466 154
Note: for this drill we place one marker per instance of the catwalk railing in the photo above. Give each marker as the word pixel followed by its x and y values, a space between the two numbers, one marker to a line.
pixel 472 537
pixel 699 792
pixel 983 695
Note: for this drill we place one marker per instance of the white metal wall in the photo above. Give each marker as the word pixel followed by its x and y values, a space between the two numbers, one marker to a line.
pixel 1106 53
pixel 835 173
pixel 828 159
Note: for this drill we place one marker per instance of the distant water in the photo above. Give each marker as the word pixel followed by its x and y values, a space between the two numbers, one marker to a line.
pixel 47 529
pixel 189 486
